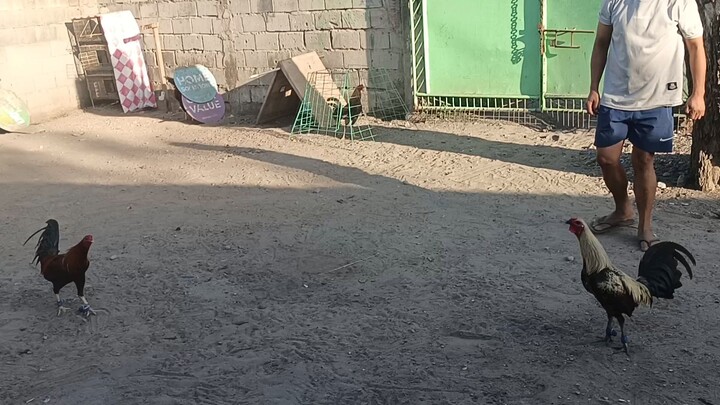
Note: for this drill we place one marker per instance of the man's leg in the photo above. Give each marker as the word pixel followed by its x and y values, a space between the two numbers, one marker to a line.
pixel 616 181
pixel 651 132
pixel 610 135
pixel 645 186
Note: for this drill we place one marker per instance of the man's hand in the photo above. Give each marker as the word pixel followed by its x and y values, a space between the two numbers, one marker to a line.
pixel 593 102
pixel 695 107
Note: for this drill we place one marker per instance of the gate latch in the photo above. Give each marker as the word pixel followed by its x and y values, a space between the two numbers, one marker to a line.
pixel 555 36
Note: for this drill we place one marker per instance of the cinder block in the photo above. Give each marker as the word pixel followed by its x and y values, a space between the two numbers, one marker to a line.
pixel 333 59
pixel 192 42
pixel 377 40
pixel 345 39
pixel 244 41
pixel 182 26
pixel 397 41
pixel 172 42
pixel 148 42
pixel 238 97
pixel 311 5
pixel 367 3
pixel 207 8
pixel 219 76
pixel 240 6
pixel 338 4
pixel 355 59
pixel 257 93
pixel 267 41
pixel 328 20
pixel 292 40
pixel 253 23
pixel 167 10
pixel 202 25
pixel 379 18
pixel 275 57
pixel 212 43
pixel 302 21
pixel 219 25
pixel 192 58
pixel 355 19
pixel 169 58
pixel 277 22
pixel 318 40
pixel 285 5
pixel 385 59
pixel 261 6
pixel 256 59
pixel 165 26
pixel 186 9
pixel 149 10
pixel 150 59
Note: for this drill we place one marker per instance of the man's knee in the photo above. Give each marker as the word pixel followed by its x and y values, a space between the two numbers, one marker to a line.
pixel 642 159
pixel 608 157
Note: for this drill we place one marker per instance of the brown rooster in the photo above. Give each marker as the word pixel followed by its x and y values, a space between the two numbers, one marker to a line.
pixel 618 293
pixel 351 112
pixel 63 269
pixel 355 107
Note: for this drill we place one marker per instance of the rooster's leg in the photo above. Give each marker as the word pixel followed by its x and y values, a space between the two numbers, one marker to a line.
pixel 85 309
pixel 609 331
pixel 623 337
pixel 60 306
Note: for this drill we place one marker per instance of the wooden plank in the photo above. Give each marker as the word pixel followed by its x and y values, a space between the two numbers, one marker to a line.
pixel 296 72
pixel 280 100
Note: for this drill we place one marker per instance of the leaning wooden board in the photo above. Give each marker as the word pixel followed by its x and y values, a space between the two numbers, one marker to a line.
pixel 296 71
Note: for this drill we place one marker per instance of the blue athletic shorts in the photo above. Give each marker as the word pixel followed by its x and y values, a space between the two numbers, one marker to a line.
pixel 649 130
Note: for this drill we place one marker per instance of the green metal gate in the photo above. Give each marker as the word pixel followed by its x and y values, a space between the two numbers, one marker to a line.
pixel 502 56
pixel 506 58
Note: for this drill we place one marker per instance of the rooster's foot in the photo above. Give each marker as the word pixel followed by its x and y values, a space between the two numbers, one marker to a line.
pixel 86 311
pixel 609 333
pixel 61 308
pixel 625 339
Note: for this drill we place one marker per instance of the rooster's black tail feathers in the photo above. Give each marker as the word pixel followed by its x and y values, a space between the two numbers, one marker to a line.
pixel 48 243
pixel 659 271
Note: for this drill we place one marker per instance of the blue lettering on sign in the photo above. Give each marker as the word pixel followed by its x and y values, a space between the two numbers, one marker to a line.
pixel 196 83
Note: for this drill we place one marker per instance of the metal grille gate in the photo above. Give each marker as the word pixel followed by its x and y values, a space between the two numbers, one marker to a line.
pixel 504 59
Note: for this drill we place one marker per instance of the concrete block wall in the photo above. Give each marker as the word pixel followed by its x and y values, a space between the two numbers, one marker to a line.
pixel 236 39
pixel 37 59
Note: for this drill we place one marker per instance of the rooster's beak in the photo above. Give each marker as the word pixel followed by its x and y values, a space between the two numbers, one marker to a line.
pixel 568 221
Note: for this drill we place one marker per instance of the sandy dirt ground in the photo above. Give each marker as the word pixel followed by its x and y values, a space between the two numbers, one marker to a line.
pixel 433 266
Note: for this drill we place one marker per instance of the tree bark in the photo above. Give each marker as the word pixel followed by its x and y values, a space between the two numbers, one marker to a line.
pixel 705 155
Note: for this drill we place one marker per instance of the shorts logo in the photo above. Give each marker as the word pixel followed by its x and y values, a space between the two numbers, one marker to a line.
pixel 666 139
pixel 672 86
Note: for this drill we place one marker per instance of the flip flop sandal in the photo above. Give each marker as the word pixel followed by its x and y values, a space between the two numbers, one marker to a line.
pixel 602 225
pixel 648 243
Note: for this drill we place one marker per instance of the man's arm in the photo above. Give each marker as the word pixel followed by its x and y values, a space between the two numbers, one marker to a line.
pixel 698 68
pixel 597 65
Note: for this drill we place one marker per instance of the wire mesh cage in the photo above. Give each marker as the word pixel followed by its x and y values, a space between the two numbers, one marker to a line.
pixel 346 103
pixel 88 31
pixel 94 58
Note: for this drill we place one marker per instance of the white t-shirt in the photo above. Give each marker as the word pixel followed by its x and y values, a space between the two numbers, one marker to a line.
pixel 645 61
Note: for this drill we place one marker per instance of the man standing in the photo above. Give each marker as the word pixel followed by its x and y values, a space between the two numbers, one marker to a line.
pixel 640 46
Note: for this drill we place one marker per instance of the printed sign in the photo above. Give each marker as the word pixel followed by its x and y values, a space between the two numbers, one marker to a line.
pixel 196 83
pixel 14 115
pixel 211 112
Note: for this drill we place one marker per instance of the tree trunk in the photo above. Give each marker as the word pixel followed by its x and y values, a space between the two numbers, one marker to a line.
pixel 705 155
